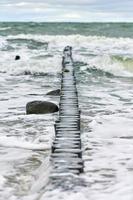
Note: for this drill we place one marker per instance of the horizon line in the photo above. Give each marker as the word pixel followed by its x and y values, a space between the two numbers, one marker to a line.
pixel 30 21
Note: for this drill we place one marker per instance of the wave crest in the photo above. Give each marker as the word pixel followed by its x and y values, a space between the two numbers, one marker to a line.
pixel 108 65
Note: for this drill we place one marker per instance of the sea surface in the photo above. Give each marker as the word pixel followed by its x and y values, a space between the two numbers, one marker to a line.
pixel 103 60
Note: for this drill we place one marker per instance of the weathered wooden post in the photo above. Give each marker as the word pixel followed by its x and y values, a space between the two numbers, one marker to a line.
pixel 66 150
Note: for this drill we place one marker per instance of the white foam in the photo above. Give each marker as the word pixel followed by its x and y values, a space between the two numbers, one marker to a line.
pixel 3 42
pixel 102 47
pixel 95 44
pixel 12 142
pixel 57 194
pixel 5 28
pixel 28 63
pixel 107 126
pixel 106 63
pixel 42 173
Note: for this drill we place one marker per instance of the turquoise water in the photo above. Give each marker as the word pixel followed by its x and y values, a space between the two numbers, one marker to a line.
pixel 98 29
pixel 103 61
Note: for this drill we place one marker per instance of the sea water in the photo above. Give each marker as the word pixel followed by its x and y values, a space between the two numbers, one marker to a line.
pixel 103 61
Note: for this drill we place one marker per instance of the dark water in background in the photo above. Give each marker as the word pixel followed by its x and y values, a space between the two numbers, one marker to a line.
pixel 103 55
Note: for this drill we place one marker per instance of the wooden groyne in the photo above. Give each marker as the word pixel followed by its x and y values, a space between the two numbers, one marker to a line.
pixel 66 150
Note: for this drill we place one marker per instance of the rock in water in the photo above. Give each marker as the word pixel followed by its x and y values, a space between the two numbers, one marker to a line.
pixel 17 57
pixel 41 107
pixel 54 92
pixel 66 70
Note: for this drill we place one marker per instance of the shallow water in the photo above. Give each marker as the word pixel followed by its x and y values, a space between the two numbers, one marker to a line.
pixel 104 71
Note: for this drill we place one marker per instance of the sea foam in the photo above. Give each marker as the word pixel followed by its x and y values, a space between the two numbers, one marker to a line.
pixel 101 52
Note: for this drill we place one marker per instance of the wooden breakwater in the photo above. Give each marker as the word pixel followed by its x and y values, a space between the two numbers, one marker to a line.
pixel 66 150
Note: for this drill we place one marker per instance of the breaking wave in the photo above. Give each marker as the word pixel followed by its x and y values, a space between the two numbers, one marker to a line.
pixel 30 43
pixel 107 65
pixel 41 54
pixel 97 43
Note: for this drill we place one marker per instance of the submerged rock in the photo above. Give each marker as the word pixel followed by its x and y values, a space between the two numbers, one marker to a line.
pixel 41 107
pixel 54 92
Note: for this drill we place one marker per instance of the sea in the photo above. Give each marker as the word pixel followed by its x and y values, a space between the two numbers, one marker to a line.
pixel 103 62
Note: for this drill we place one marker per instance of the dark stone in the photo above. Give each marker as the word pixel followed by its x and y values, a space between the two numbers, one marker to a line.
pixel 54 92
pixel 17 57
pixel 66 70
pixel 41 107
